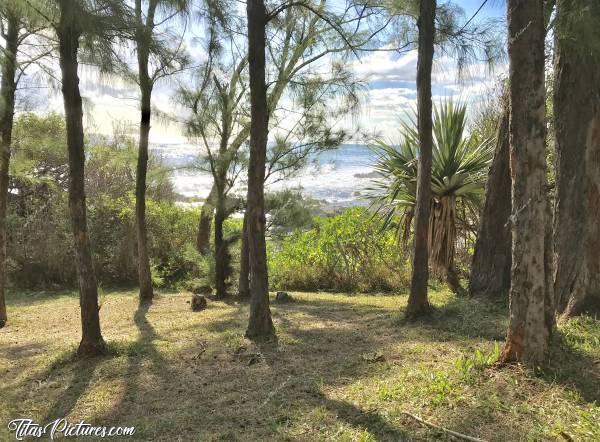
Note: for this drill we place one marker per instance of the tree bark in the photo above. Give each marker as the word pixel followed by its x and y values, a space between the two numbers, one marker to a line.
pixel 204 225
pixel 244 282
pixel 143 36
pixel 260 323
pixel 7 110
pixel 221 252
pixel 68 32
pixel 144 275
pixel 577 126
pixel 530 328
pixel 490 270
pixel 453 281
pixel 220 167
pixel 417 299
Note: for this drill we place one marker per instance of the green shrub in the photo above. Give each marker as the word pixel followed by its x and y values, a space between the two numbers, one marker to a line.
pixel 348 252
pixel 171 234
pixel 40 250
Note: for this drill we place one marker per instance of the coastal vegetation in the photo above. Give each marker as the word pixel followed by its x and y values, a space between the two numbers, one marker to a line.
pixel 453 295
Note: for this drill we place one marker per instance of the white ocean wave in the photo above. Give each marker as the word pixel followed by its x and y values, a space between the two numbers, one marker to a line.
pixel 338 177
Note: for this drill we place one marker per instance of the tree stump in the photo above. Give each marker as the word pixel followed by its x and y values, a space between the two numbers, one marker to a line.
pixel 283 297
pixel 198 302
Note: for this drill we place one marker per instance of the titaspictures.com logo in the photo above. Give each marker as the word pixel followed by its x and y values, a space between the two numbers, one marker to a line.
pixel 24 428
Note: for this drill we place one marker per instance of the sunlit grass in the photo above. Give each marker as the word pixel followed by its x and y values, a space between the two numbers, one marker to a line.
pixel 345 368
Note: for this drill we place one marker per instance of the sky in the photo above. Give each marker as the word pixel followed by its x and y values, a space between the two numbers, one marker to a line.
pixel 390 93
pixel 392 79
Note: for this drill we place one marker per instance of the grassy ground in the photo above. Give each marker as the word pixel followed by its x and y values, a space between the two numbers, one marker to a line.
pixel 345 368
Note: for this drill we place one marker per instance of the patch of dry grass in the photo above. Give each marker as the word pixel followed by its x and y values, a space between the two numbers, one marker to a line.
pixel 345 368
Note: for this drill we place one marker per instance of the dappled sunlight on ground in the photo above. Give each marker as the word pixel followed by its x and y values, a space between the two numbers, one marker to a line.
pixel 345 368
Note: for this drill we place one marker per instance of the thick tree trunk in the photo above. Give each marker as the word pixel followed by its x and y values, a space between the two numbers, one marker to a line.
pixel 206 219
pixel 577 126
pixel 244 282
pixel 530 328
pixel 417 300
pixel 490 270
pixel 259 322
pixel 7 110
pixel 68 33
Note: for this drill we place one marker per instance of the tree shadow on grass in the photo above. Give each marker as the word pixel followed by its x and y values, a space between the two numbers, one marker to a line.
pixel 30 298
pixel 573 368
pixel 373 422
pixel 82 372
pixel 462 318
pixel 135 389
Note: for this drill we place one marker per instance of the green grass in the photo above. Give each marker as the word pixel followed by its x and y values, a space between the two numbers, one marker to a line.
pixel 345 368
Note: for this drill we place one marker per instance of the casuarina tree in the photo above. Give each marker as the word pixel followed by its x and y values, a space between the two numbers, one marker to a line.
pixel 418 302
pixel 157 58
pixel 577 129
pixel 531 307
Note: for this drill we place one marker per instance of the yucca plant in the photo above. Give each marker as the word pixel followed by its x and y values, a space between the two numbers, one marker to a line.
pixel 459 173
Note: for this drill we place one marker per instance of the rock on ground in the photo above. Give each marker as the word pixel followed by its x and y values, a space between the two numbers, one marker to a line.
pixel 198 302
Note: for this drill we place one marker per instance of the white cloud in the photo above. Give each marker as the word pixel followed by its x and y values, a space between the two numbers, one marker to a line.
pixel 392 86
pixel 387 66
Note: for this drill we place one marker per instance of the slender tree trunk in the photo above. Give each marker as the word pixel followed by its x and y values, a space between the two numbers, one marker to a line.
pixel 490 270
pixel 529 329
pixel 417 300
pixel 7 110
pixel 143 37
pixel 259 322
pixel 204 225
pixel 221 246
pixel 577 126
pixel 220 168
pixel 68 33
pixel 144 275
pixel 244 282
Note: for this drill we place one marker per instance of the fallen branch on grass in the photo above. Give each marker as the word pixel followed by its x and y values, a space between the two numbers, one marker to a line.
pixel 445 430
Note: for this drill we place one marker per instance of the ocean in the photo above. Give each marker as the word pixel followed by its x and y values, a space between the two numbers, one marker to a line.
pixel 338 178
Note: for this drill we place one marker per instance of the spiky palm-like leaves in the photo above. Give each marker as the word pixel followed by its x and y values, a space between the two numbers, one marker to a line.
pixel 459 174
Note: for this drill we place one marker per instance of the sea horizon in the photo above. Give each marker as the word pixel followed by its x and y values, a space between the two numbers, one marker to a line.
pixel 337 178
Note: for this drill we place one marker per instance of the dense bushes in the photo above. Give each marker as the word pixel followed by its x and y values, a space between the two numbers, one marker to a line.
pixel 40 252
pixel 348 252
pixel 171 230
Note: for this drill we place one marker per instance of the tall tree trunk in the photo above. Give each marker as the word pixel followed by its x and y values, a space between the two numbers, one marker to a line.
pixel 222 258
pixel 204 225
pixel 259 322
pixel 417 300
pixel 490 270
pixel 68 33
pixel 143 38
pixel 244 282
pixel 7 110
pixel 530 328
pixel 144 275
pixel 577 126
pixel 220 168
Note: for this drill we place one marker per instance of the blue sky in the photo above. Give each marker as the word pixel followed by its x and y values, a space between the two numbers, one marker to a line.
pixel 492 8
pixel 391 90
pixel 392 85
